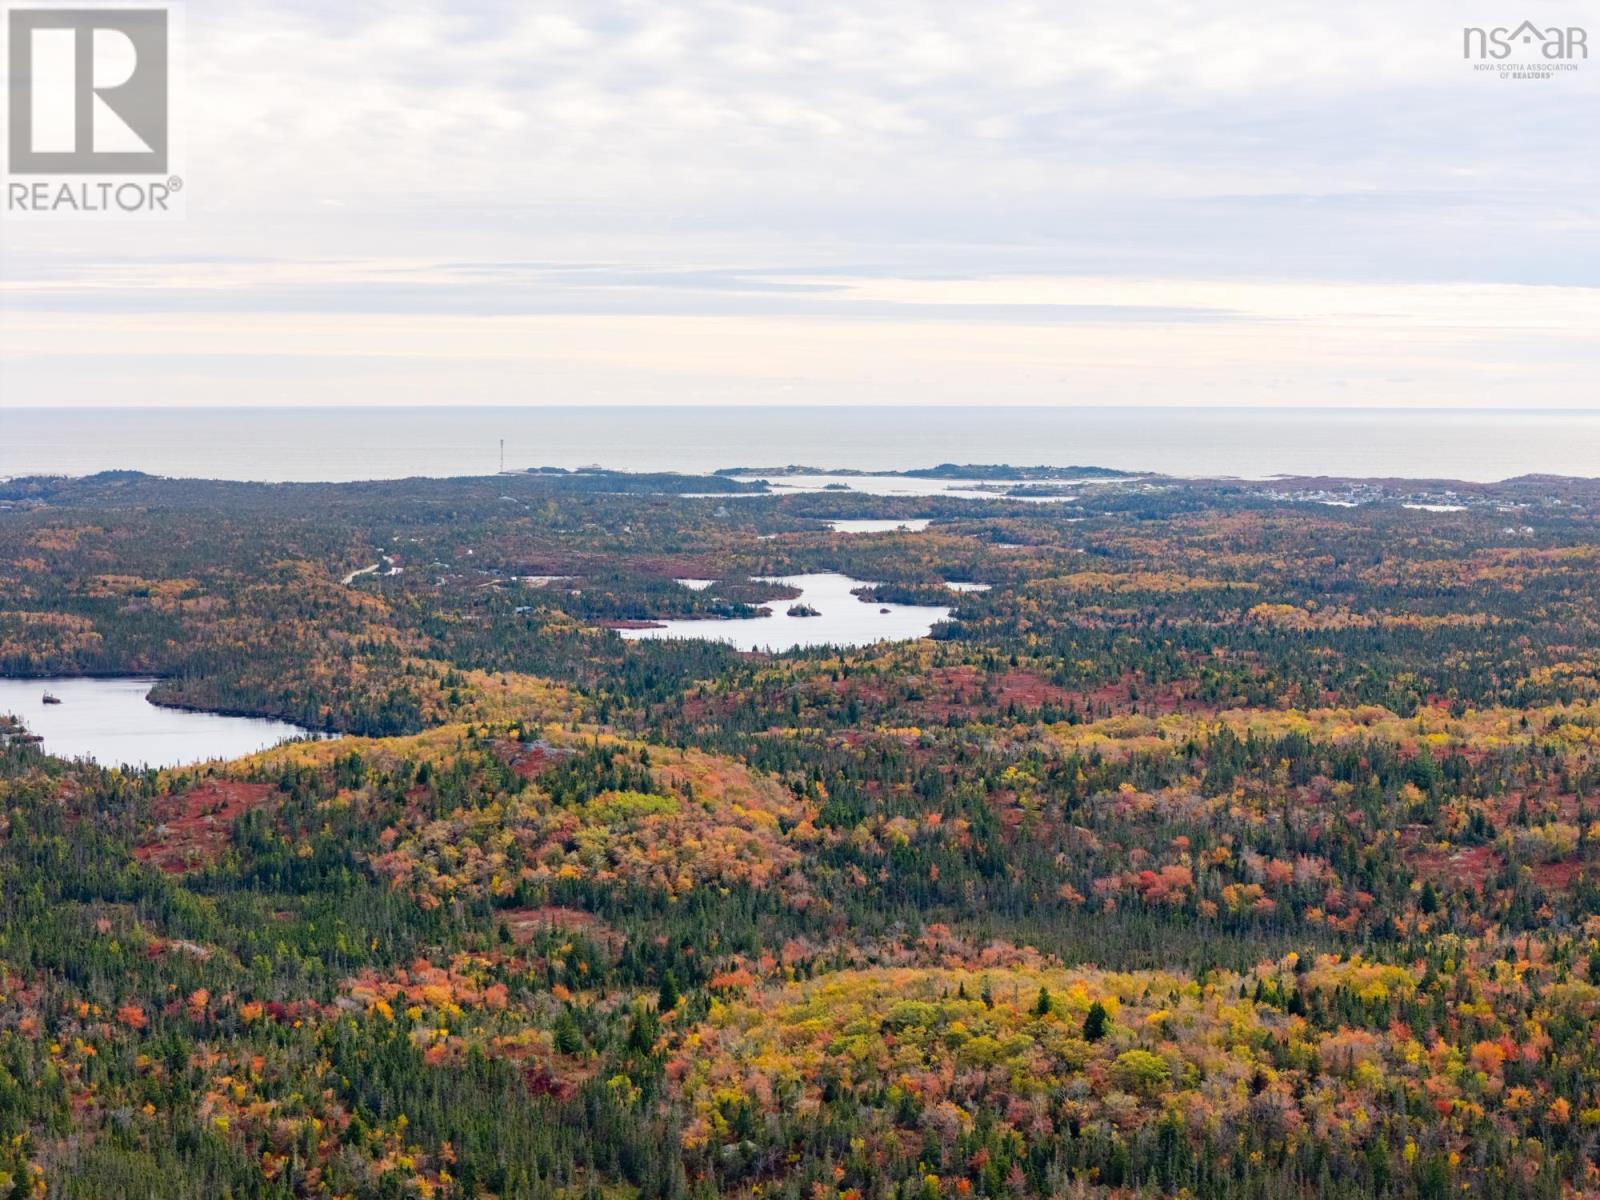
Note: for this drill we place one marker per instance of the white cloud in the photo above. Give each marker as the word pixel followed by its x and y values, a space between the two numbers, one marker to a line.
pixel 1212 171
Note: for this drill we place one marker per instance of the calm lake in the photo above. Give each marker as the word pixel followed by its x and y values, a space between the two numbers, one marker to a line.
pixel 844 620
pixel 871 525
pixel 110 721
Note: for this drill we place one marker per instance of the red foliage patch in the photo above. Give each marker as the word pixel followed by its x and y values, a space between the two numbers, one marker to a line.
pixel 193 826
pixel 969 692
pixel 1151 699
pixel 528 760
pixel 525 923
pixel 1558 876
pixel 1473 867
pixel 541 1082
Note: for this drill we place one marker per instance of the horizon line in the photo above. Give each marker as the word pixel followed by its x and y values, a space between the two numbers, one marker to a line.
pixel 360 406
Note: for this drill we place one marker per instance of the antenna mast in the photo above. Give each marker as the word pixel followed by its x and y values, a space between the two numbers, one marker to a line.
pixel 502 456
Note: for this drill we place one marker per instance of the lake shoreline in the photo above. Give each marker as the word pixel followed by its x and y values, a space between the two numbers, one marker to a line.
pixel 247 714
pixel 828 610
pixel 114 721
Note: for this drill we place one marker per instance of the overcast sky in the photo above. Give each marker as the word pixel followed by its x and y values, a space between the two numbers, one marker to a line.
pixel 841 201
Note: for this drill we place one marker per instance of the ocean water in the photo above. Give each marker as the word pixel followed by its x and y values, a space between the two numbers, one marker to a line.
pixel 389 443
pixel 888 485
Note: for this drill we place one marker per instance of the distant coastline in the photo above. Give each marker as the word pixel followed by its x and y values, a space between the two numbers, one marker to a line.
pixel 316 445
pixel 992 472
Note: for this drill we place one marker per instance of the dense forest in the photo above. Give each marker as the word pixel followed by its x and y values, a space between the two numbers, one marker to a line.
pixel 1239 840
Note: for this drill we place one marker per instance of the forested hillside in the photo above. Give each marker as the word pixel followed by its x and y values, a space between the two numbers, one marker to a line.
pixel 1229 844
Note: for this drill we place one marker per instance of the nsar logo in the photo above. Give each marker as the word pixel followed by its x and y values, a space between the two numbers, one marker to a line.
pixel 1557 43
